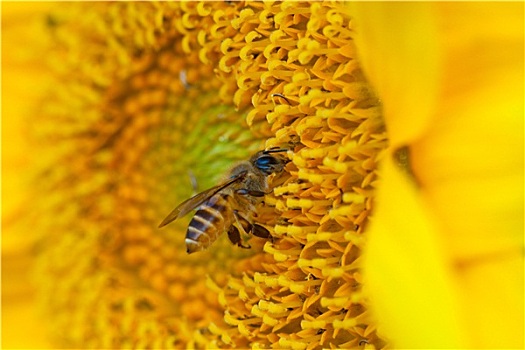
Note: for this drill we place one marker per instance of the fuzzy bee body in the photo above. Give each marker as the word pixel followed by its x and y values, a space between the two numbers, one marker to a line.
pixel 230 206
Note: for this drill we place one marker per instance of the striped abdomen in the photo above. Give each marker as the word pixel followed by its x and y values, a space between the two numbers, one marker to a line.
pixel 212 219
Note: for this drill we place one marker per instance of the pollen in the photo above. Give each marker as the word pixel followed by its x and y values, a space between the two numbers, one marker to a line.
pixel 155 102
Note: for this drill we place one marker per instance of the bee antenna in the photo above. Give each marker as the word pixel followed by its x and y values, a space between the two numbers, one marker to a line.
pixel 279 95
pixel 278 150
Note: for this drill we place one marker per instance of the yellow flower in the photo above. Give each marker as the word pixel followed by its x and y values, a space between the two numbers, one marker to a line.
pixel 151 96
pixel 444 263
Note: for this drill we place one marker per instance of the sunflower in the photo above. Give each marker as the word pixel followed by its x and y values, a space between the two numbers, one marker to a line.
pixel 385 119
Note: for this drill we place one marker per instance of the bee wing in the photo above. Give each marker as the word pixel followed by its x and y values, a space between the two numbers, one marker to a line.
pixel 195 201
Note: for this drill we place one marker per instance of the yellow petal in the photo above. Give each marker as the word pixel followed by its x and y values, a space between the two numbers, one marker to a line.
pixel 411 288
pixel 470 165
pixel 467 152
pixel 397 46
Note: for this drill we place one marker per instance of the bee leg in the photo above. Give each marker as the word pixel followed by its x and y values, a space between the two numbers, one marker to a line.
pixel 243 223
pixel 235 237
pixel 244 191
pixel 244 246
pixel 261 232
pixel 279 95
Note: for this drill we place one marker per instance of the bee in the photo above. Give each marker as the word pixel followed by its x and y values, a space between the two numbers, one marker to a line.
pixel 230 206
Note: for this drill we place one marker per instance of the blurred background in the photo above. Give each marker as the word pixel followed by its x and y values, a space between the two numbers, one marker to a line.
pixel 24 80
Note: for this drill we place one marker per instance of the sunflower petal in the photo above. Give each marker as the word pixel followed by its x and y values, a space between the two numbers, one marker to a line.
pixel 405 270
pixel 399 53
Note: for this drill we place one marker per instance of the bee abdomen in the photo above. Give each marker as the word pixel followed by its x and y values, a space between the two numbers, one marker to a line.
pixel 207 224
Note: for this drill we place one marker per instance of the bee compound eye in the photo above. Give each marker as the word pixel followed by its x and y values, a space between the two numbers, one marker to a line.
pixel 266 163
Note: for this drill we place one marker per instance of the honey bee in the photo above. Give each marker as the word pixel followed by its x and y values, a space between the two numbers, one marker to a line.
pixel 230 206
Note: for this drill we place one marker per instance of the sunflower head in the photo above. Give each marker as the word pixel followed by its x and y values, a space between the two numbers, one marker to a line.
pixel 156 101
